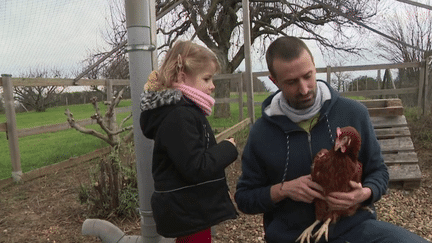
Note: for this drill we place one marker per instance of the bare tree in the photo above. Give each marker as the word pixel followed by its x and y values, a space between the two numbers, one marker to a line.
pixel 106 122
pixel 110 177
pixel 117 65
pixel 219 25
pixel 363 83
pixel 38 98
pixel 412 26
pixel 342 79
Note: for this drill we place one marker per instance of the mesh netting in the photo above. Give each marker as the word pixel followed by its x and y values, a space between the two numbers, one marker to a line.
pixel 49 34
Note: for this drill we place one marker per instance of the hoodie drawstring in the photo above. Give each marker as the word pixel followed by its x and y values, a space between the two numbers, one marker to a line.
pixel 288 149
pixel 329 129
pixel 287 159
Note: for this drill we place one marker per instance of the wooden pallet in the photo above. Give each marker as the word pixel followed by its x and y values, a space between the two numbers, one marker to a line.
pixel 394 137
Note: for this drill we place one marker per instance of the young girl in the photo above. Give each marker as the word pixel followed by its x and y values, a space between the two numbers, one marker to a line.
pixel 191 193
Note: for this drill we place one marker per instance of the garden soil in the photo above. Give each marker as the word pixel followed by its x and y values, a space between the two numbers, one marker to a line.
pixel 47 209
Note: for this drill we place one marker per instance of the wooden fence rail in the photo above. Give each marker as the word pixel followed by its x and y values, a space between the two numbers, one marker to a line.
pixel 73 161
pixel 8 83
pixel 55 127
pixel 421 89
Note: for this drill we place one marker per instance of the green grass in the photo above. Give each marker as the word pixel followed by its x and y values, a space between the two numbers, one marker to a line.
pixel 40 150
pixel 49 148
pixel 235 112
pixel 56 115
pixel 45 149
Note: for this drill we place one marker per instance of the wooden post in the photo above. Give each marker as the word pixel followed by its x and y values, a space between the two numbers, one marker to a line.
pixel 223 90
pixel 426 109
pixel 329 75
pixel 109 87
pixel 12 132
pixel 378 79
pixel 421 86
pixel 248 67
pixel 366 82
pixel 112 121
pixel 240 93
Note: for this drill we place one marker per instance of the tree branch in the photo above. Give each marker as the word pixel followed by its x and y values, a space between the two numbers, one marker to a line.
pixel 84 130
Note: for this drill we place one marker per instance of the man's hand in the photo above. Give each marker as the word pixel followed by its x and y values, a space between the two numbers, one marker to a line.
pixel 345 200
pixel 302 189
pixel 231 140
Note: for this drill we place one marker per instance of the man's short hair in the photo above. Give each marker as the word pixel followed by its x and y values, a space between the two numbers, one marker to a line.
pixel 286 48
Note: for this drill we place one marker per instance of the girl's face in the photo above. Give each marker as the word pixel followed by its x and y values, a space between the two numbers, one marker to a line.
pixel 203 80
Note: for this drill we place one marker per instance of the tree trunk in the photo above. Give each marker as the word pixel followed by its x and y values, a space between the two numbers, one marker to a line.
pixel 222 90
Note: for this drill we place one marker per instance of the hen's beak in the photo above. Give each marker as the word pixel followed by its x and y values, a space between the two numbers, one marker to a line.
pixel 339 145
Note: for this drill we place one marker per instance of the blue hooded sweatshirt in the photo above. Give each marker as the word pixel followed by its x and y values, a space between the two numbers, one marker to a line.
pixel 278 146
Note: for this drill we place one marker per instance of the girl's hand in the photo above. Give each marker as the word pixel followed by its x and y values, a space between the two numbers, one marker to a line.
pixel 231 140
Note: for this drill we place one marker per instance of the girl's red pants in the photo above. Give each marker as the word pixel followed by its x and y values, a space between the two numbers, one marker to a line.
pixel 199 237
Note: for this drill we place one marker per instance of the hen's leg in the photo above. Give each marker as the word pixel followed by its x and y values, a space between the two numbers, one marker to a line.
pixel 322 230
pixel 307 233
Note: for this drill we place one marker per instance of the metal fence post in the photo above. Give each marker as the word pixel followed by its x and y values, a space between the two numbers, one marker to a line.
pixel 12 132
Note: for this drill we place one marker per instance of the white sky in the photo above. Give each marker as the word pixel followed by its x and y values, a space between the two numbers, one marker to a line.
pixel 59 34
pixel 49 33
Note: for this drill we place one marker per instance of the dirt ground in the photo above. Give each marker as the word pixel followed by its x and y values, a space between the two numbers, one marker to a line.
pixel 47 209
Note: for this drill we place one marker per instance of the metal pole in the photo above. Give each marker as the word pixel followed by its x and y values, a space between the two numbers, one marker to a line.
pixel 153 35
pixel 139 49
pixel 248 65
pixel 12 132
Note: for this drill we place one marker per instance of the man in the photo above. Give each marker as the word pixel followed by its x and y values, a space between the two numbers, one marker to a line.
pixel 297 122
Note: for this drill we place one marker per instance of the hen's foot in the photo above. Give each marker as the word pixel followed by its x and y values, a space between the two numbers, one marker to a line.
pixel 307 233
pixel 322 230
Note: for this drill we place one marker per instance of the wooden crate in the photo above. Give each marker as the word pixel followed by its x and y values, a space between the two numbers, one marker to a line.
pixel 394 137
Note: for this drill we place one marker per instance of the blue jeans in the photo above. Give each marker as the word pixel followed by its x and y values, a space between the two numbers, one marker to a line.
pixel 374 231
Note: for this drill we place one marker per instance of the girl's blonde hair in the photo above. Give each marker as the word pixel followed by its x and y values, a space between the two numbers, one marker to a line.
pixel 187 57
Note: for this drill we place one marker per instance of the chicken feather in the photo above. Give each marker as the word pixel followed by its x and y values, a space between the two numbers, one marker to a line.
pixel 333 170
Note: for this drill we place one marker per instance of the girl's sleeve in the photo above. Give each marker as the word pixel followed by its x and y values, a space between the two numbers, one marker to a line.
pixel 184 144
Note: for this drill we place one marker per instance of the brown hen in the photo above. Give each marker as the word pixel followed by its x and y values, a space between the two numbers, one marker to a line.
pixel 334 170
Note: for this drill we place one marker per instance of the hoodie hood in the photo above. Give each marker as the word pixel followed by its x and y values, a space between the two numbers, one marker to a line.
pixel 155 106
pixel 275 116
